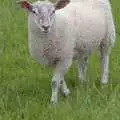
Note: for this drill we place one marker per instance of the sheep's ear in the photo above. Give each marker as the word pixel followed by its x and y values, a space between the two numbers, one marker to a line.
pixel 61 4
pixel 25 4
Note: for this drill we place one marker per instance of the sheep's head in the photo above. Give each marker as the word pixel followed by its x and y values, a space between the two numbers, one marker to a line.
pixel 43 12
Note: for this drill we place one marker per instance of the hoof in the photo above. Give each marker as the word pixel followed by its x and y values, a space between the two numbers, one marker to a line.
pixel 66 92
pixel 104 82
pixel 53 101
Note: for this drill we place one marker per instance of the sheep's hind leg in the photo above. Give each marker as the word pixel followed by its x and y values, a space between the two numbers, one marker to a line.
pixel 82 68
pixel 58 78
pixel 105 63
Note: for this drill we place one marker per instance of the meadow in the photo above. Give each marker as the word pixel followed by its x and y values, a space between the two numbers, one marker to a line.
pixel 25 88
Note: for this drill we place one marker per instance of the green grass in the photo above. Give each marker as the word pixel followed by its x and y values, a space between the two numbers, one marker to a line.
pixel 25 85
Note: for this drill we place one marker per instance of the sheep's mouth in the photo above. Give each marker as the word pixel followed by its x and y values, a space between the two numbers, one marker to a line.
pixel 45 31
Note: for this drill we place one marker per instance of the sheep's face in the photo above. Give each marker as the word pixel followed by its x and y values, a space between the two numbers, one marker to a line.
pixel 43 12
pixel 44 16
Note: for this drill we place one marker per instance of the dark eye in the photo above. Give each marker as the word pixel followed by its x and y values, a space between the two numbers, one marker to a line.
pixel 34 12
pixel 52 12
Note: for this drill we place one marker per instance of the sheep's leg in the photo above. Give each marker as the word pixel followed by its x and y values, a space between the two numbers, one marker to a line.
pixel 65 91
pixel 82 68
pixel 58 78
pixel 105 64
pixel 55 87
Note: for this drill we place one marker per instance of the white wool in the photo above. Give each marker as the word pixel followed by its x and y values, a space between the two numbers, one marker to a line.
pixel 80 29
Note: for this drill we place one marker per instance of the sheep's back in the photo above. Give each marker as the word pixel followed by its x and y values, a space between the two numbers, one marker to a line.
pixel 85 25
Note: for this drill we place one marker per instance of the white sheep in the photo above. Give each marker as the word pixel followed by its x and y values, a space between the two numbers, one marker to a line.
pixel 57 36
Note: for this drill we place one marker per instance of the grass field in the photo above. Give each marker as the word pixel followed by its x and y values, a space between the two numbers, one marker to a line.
pixel 25 85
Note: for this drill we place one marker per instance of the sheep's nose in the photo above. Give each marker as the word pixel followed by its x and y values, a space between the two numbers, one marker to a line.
pixel 45 27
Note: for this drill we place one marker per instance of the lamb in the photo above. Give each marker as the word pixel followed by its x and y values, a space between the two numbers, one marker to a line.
pixel 67 30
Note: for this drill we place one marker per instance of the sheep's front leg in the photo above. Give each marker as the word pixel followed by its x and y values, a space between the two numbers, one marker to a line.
pixel 82 68
pixel 55 87
pixel 58 80
pixel 65 91
pixel 105 64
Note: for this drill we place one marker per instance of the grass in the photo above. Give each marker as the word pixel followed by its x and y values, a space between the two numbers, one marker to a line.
pixel 25 85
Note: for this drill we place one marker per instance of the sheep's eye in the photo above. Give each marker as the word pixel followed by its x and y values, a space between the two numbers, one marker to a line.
pixel 52 12
pixel 34 12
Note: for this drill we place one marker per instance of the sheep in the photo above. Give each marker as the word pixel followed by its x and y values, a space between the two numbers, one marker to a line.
pixel 70 30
